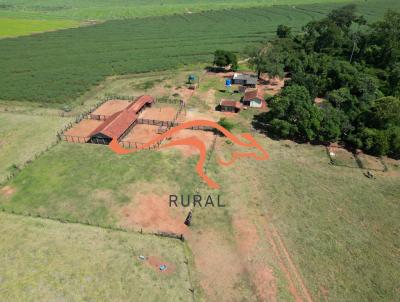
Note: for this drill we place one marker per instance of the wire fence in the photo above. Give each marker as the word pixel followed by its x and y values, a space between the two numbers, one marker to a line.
pixel 93 224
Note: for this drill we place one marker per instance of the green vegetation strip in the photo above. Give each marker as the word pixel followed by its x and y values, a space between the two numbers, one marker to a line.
pixel 56 67
pixel 11 27
pixel 47 260
pixel 121 9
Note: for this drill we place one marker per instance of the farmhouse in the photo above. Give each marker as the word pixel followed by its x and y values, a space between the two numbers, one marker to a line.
pixel 248 80
pixel 229 105
pixel 254 98
pixel 120 122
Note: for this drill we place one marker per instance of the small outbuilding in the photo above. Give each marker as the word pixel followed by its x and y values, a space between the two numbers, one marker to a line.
pixel 254 98
pixel 248 80
pixel 229 106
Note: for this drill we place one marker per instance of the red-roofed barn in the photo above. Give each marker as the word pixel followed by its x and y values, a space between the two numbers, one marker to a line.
pixel 118 124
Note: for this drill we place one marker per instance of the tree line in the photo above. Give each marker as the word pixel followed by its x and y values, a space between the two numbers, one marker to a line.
pixel 352 66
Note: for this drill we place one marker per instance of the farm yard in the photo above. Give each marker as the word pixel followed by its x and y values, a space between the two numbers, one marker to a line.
pixel 160 43
pixel 308 224
pixel 289 205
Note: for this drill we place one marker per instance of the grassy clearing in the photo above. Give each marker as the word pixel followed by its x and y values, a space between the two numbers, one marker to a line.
pixel 31 66
pixel 341 228
pixel 121 9
pixel 20 27
pixel 22 136
pixel 86 182
pixel 47 260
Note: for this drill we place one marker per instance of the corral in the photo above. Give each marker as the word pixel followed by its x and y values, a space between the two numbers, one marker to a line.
pixel 109 108
pixel 133 123
pixel 82 131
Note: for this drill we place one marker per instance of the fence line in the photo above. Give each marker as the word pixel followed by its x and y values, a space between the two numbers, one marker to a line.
pixel 88 223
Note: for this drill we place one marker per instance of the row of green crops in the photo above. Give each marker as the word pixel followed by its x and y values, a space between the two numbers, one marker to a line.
pixel 56 67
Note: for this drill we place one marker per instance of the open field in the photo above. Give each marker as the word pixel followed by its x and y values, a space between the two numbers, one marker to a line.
pixel 332 221
pixel 12 27
pixel 22 136
pixel 31 65
pixel 293 227
pixel 43 260
pixel 121 9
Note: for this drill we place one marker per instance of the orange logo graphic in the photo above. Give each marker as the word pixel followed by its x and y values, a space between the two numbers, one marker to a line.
pixel 195 142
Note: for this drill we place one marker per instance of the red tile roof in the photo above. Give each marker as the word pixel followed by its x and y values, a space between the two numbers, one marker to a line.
pixel 119 122
pixel 253 94
pixel 230 103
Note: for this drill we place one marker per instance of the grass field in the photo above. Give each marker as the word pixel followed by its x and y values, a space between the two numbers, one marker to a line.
pixel 11 27
pixel 22 136
pixel 339 228
pixel 43 260
pixel 57 67
pixel 106 10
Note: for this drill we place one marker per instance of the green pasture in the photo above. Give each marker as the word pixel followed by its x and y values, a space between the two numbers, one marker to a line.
pixel 57 67
pixel 68 181
pixel 22 136
pixel 11 27
pixel 340 228
pixel 43 260
pixel 121 9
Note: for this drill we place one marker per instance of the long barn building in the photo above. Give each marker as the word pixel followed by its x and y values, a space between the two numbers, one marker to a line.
pixel 120 123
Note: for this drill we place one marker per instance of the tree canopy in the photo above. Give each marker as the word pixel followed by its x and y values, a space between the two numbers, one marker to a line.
pixel 353 66
pixel 224 58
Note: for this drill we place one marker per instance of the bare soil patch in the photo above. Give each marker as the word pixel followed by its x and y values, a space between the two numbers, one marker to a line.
pixel 152 213
pixel 205 136
pixel 196 115
pixel 84 128
pixel 142 133
pixel 261 276
pixel 371 162
pixel 184 92
pixel 7 191
pixel 218 265
pixel 160 113
pixel 110 107
pixel 270 85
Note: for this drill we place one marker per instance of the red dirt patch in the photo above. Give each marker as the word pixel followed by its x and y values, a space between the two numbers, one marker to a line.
pixel 111 107
pixel 7 191
pixel 218 265
pixel 155 263
pixel 265 283
pixel 83 129
pixel 141 133
pixel 160 114
pixel 262 276
pixel 205 136
pixel 152 213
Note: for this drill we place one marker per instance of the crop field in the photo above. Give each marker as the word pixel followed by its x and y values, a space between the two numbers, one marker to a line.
pixel 57 67
pixel 22 136
pixel 120 9
pixel 11 27
pixel 43 260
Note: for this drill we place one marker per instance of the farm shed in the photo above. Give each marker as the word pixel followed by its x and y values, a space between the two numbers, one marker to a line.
pixel 229 105
pixel 248 80
pixel 254 98
pixel 118 124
